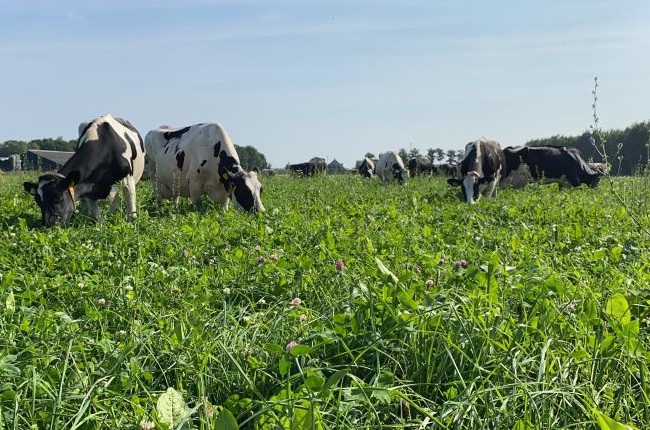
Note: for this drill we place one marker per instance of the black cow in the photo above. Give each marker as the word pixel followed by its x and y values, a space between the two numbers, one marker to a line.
pixel 302 169
pixel 422 166
pixel 547 164
pixel 109 150
pixel 450 170
pixel 481 169
pixel 367 168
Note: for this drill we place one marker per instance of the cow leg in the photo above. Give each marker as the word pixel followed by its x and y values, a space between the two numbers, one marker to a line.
pixel 129 196
pixel 491 189
pixel 93 209
pixel 114 198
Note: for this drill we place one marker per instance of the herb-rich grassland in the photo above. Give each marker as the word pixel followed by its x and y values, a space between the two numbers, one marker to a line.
pixel 414 310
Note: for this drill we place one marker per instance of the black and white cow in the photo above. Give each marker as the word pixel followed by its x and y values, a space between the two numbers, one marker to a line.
pixel 422 166
pixel 367 168
pixel 109 150
pixel 319 165
pixel 481 169
pixel 548 164
pixel 200 159
pixel 391 166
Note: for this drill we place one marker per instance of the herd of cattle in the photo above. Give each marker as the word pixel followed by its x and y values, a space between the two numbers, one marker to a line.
pixel 201 160
pixel 485 166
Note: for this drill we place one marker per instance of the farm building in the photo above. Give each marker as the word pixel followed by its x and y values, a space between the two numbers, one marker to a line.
pixel 36 159
pixel 335 167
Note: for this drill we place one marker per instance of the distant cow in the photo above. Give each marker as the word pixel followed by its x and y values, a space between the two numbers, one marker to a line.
pixel 109 150
pixel 422 166
pixel 200 160
pixel 367 168
pixel 481 169
pixel 450 170
pixel 319 165
pixel 547 164
pixel 301 169
pixel 390 166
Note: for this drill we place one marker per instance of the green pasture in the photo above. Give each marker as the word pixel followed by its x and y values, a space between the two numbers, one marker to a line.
pixel 348 304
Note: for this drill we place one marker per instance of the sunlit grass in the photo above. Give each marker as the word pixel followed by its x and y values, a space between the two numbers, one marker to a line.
pixel 100 319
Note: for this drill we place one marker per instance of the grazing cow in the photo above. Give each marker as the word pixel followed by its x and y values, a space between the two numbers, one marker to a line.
pixel 421 166
pixel 301 169
pixel 450 170
pixel 481 169
pixel 200 159
pixel 547 164
pixel 390 166
pixel 367 168
pixel 319 165
pixel 109 150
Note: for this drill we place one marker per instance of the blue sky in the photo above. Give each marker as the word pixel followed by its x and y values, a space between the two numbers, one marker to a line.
pixel 329 78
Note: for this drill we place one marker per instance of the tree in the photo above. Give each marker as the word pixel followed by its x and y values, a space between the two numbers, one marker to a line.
pixel 451 155
pixel 251 158
pixel 436 155
pixel 370 155
pixel 414 153
pixel 403 155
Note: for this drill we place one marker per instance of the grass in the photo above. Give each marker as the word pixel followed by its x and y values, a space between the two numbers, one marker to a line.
pixel 545 328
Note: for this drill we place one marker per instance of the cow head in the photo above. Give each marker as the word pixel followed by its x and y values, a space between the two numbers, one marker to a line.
pixel 245 190
pixel 54 194
pixel 399 173
pixel 469 185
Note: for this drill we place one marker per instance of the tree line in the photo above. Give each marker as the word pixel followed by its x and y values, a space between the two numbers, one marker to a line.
pixel 626 150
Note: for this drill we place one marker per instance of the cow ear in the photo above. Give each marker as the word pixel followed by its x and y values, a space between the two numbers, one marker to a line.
pixel 30 187
pixel 69 181
pixel 454 181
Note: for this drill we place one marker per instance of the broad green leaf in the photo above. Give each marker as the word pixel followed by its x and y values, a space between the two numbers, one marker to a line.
pixel 274 347
pixel 306 416
pixel 618 309
pixel 225 421
pixel 314 382
pixel 284 365
pixel 171 408
pixel 299 350
pixel 523 425
pixel 335 378
pixel 607 423
pixel 10 303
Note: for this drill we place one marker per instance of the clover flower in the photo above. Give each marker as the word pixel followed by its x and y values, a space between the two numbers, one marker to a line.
pixel 101 302
pixel 461 264
pixel 147 425
pixel 340 265
pixel 291 345
pixel 295 302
